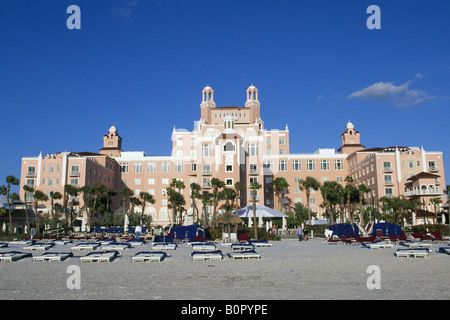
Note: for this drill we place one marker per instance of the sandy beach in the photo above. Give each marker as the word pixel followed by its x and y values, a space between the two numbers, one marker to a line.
pixel 290 270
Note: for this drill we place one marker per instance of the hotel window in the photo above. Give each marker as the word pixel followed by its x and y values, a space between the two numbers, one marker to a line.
pixel 282 165
pixel 324 165
pixel 194 167
pixel 179 167
pixel 418 163
pixel 253 179
pixel 252 149
pixel 282 141
pixel 151 181
pixel 388 180
pixel 389 192
pixel 411 164
pixel 137 167
pixel 179 153
pixel 282 151
pixel 268 141
pixel 297 180
pixel 206 150
pixel 269 180
pixel 123 167
pixel 165 166
pixel 206 182
pixel 51 169
pixel 310 165
pixel 31 171
pixel 339 164
pixel 30 183
pixel 387 166
pixel 296 165
pixel 340 179
pixel 268 165
pixel 229 168
pixel 151 167
pixel 151 191
pixel 268 152
pixel 297 190
pixel 324 179
pixel 206 169
pixel 50 182
pixel 253 168
pixel 136 192
pixel 137 182
pixel 229 182
pixel 312 200
pixel 165 181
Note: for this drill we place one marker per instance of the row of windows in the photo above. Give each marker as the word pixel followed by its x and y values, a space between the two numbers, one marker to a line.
pixel 310 165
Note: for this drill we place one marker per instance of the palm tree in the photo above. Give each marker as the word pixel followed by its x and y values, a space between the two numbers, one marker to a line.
pixel 206 199
pixel 125 193
pixel 238 186
pixel 27 189
pixel 216 184
pixel 229 194
pixel 308 184
pixel 69 191
pixel 38 197
pixel 195 194
pixel 98 189
pixel 331 193
pixel 54 196
pixel 279 184
pixel 145 198
pixel 447 192
pixel 10 180
pixel 436 202
pixel 255 186
pixel 363 189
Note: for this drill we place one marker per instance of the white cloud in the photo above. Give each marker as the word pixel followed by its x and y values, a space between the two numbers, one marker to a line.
pixel 387 92
pixel 125 12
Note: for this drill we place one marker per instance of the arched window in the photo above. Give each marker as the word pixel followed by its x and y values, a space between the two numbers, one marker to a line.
pixel 229 147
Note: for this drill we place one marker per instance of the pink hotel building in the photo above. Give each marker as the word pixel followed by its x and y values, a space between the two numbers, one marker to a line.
pixel 232 144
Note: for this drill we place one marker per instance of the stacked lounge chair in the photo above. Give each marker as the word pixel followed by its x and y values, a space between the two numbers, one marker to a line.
pixel 242 247
pixel 100 256
pixel 53 256
pixel 164 246
pixel 39 246
pixel 244 255
pixel 149 256
pixel 417 252
pixel 378 245
pixel 86 246
pixel 203 247
pixel 207 255
pixel 13 256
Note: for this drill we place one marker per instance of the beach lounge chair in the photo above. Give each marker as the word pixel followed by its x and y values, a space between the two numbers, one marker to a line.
pixel 333 241
pixel 136 242
pixel 244 255
pixel 444 250
pixel 22 242
pixel 260 243
pixel 149 256
pixel 100 256
pixel 203 247
pixel 61 241
pixel 418 252
pixel 39 246
pixel 378 245
pixel 207 255
pixel 117 246
pixel 13 256
pixel 436 237
pixel 415 244
pixel 242 247
pixel 53 256
pixel 164 246
pixel 105 242
pixel 86 246
pixel 192 243
pixel 3 245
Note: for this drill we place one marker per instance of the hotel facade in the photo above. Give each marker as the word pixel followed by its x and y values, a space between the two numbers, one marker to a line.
pixel 232 144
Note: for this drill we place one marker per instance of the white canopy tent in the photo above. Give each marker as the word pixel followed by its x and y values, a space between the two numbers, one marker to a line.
pixel 262 212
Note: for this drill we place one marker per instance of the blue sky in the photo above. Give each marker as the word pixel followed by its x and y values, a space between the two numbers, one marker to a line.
pixel 142 64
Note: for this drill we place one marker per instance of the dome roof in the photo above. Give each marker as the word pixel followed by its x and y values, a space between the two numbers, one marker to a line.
pixel 350 125
pixel 112 129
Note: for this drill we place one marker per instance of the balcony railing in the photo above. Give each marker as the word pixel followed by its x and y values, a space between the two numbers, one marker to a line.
pixel 428 192
pixel 30 174
pixel 74 173
pixel 206 172
pixel 387 169
pixel 433 169
pixel 388 182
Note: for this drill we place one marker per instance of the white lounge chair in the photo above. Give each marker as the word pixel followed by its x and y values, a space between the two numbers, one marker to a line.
pixel 203 247
pixel 207 255
pixel 420 252
pixel 116 246
pixel 53 256
pixel 38 247
pixel 13 256
pixel 244 255
pixel 22 242
pixel 242 247
pixel 148 256
pixel 416 244
pixel 378 245
pixel 136 242
pixel 105 256
pixel 261 243
pixel 86 246
pixel 164 246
